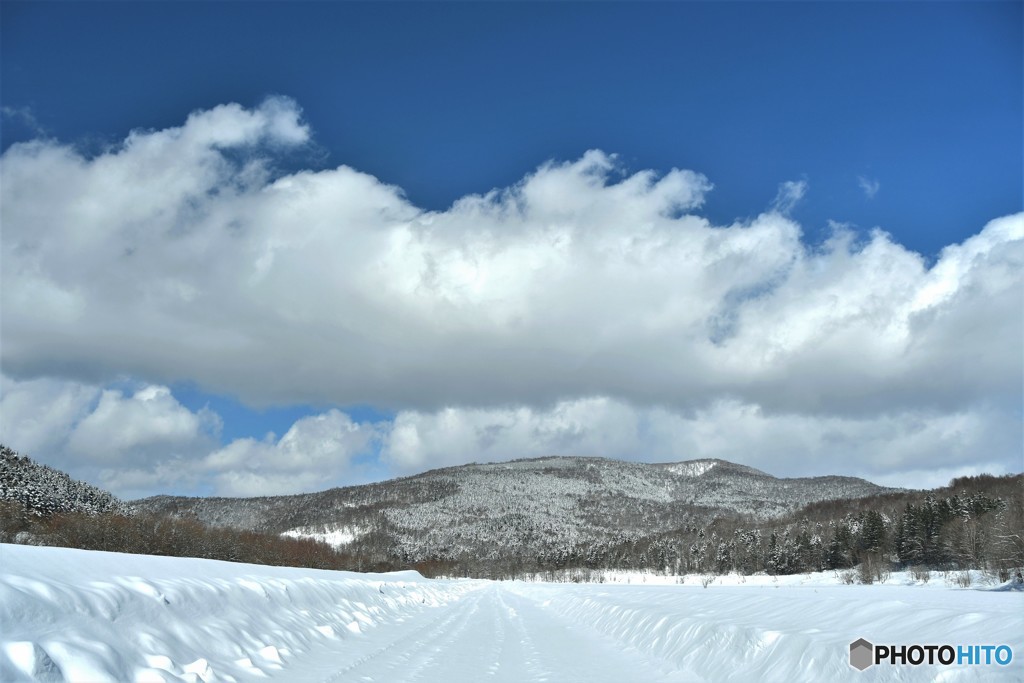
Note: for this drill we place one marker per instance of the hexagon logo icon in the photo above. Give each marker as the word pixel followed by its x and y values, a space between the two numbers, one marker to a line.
pixel 861 654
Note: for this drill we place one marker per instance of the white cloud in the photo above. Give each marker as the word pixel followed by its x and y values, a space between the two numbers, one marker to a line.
pixel 591 426
pixel 25 117
pixel 106 436
pixel 168 260
pixel 880 448
pixel 869 186
pixel 145 442
pixel 789 195
pixel 150 422
pixel 313 455
pixel 37 416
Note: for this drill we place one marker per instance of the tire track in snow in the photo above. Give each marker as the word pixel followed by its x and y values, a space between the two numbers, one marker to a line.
pixel 575 652
pixel 493 634
pixel 392 661
pixel 530 657
pixel 489 648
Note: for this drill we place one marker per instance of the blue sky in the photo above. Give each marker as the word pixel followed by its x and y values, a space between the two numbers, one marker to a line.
pixel 806 126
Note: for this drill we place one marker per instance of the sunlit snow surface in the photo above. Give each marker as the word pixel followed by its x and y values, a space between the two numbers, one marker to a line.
pixel 79 615
pixel 335 538
pixel 693 468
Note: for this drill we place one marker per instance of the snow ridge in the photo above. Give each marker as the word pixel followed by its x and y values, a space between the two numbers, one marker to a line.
pixel 75 615
pixel 91 616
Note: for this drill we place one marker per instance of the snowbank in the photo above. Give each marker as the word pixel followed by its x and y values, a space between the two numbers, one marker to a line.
pixel 783 631
pixel 91 616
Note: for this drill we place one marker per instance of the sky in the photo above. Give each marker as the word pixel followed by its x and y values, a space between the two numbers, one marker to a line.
pixel 268 248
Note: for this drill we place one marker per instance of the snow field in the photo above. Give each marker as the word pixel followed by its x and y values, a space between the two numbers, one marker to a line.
pixel 788 632
pixel 89 616
pixel 334 537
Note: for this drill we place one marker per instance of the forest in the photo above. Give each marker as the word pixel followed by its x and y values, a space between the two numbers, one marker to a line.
pixel 973 523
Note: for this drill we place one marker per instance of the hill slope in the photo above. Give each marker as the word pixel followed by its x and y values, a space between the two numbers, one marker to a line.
pixel 44 490
pixel 523 507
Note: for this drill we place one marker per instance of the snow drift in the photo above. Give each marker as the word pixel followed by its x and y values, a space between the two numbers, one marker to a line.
pixel 90 616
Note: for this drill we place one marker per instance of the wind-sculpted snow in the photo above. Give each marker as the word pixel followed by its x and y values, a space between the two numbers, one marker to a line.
pixel 86 616
pixel 789 632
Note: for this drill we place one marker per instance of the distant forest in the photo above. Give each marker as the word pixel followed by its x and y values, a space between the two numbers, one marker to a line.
pixel 973 523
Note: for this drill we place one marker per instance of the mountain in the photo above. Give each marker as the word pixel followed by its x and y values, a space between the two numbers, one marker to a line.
pixel 524 508
pixel 44 490
pixel 546 516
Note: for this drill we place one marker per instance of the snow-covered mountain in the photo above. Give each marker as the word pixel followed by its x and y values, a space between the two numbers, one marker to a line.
pixel 523 507
pixel 44 490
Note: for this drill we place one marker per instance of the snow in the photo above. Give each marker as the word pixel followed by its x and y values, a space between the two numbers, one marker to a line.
pixel 334 537
pixel 979 580
pixel 89 616
pixel 691 468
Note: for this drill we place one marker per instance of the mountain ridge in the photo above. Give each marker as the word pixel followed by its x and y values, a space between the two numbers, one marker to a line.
pixel 520 506
pixel 544 515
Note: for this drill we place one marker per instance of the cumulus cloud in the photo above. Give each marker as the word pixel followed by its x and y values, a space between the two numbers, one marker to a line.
pixel 145 442
pixel 583 289
pixel 869 186
pixel 106 436
pixel 880 448
pixel 149 420
pixel 314 454
pixel 38 416
pixel 590 426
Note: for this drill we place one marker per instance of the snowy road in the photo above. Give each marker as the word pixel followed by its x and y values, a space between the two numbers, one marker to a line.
pixel 81 616
pixel 489 634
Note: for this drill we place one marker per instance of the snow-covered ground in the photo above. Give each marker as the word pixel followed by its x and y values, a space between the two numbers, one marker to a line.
pixel 334 537
pixel 79 615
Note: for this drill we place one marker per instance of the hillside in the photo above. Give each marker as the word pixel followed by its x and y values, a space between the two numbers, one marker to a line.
pixel 44 490
pixel 522 508
pixel 547 515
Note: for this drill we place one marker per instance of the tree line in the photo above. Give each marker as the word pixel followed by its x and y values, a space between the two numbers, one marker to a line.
pixel 974 523
pixel 965 530
pixel 151 535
